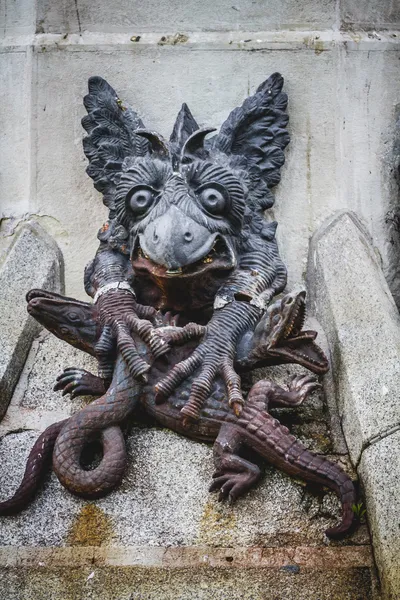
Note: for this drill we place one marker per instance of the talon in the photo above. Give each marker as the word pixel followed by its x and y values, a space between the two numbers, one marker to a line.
pixel 190 413
pixel 237 408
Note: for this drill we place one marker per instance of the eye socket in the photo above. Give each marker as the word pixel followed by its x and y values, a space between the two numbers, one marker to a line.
pixel 73 316
pixel 140 198
pixel 214 198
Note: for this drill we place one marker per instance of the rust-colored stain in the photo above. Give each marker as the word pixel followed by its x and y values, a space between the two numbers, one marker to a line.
pixel 217 524
pixel 92 527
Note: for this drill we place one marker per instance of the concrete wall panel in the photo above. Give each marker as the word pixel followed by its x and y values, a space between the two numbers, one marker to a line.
pixel 17 17
pixel 369 106
pixel 370 14
pixel 15 124
pixel 170 16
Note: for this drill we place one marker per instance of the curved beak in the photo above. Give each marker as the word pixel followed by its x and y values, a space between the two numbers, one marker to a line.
pixel 174 240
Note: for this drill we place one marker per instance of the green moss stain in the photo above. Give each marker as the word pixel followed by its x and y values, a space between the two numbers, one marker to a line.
pixel 318 47
pixel 314 43
pixel 92 527
pixel 217 524
pixel 173 40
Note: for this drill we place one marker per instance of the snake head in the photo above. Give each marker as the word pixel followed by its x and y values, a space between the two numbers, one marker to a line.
pixel 70 320
pixel 279 334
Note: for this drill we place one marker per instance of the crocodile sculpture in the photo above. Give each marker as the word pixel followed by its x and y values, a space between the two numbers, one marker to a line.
pixel 186 244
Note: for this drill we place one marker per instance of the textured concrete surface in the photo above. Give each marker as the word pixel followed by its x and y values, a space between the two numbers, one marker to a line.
pixel 368 14
pixel 15 127
pixel 17 17
pixel 33 261
pixel 187 584
pixel 353 303
pixel 169 16
pixel 48 357
pixel 380 472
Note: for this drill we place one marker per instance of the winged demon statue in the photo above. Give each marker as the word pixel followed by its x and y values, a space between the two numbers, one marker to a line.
pixel 186 237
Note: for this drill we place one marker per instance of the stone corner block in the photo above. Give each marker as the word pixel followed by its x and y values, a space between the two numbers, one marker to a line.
pixel 33 261
pixel 379 470
pixel 352 301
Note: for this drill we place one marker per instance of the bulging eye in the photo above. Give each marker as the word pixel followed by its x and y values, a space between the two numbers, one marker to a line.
pixel 214 198
pixel 73 316
pixel 140 199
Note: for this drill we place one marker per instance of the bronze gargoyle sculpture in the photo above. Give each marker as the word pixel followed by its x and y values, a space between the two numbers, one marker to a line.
pixel 186 238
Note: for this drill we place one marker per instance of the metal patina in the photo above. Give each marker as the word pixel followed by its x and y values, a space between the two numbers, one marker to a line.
pixel 183 285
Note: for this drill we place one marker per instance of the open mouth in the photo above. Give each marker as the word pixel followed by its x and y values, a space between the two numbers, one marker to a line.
pixel 34 296
pixel 36 293
pixel 290 342
pixel 296 319
pixel 220 257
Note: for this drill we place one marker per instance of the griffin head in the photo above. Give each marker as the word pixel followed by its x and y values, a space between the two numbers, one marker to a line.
pixel 189 205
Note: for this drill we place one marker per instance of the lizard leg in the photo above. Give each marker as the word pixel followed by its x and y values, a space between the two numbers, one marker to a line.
pixel 234 475
pixel 79 382
pixel 266 393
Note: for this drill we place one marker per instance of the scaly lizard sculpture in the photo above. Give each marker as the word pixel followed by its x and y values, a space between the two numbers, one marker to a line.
pixel 186 233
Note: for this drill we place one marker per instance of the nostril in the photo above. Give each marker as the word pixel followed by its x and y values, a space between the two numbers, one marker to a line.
pixel 188 236
pixel 32 304
pixel 155 237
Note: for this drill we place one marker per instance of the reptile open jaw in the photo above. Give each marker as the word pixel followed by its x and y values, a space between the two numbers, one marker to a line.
pixel 285 337
pixel 295 317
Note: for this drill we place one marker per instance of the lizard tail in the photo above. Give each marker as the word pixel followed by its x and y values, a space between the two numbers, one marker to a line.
pixel 275 444
pixel 38 460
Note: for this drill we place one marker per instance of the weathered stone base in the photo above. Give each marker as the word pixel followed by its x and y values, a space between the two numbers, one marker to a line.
pixel 352 301
pixel 162 535
pixel 33 261
pixel 200 583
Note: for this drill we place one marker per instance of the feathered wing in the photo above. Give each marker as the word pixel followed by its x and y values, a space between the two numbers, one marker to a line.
pixel 110 125
pixel 257 131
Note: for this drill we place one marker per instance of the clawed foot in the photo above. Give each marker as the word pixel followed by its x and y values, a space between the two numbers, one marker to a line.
pixel 300 387
pixel 79 382
pixel 121 318
pixel 231 485
pixel 176 336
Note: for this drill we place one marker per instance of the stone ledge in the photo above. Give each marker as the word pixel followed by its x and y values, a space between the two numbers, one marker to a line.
pixel 346 557
pixel 33 261
pixel 139 583
pixel 362 324
pixel 361 321
pixel 380 472
pixel 315 41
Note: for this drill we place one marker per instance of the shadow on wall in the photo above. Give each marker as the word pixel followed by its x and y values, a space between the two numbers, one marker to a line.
pixel 392 218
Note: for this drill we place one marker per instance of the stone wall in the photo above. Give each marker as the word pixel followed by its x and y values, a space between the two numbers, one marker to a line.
pixel 341 65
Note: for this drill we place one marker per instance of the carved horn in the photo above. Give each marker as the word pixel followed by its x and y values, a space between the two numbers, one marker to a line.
pixel 194 146
pixel 157 143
